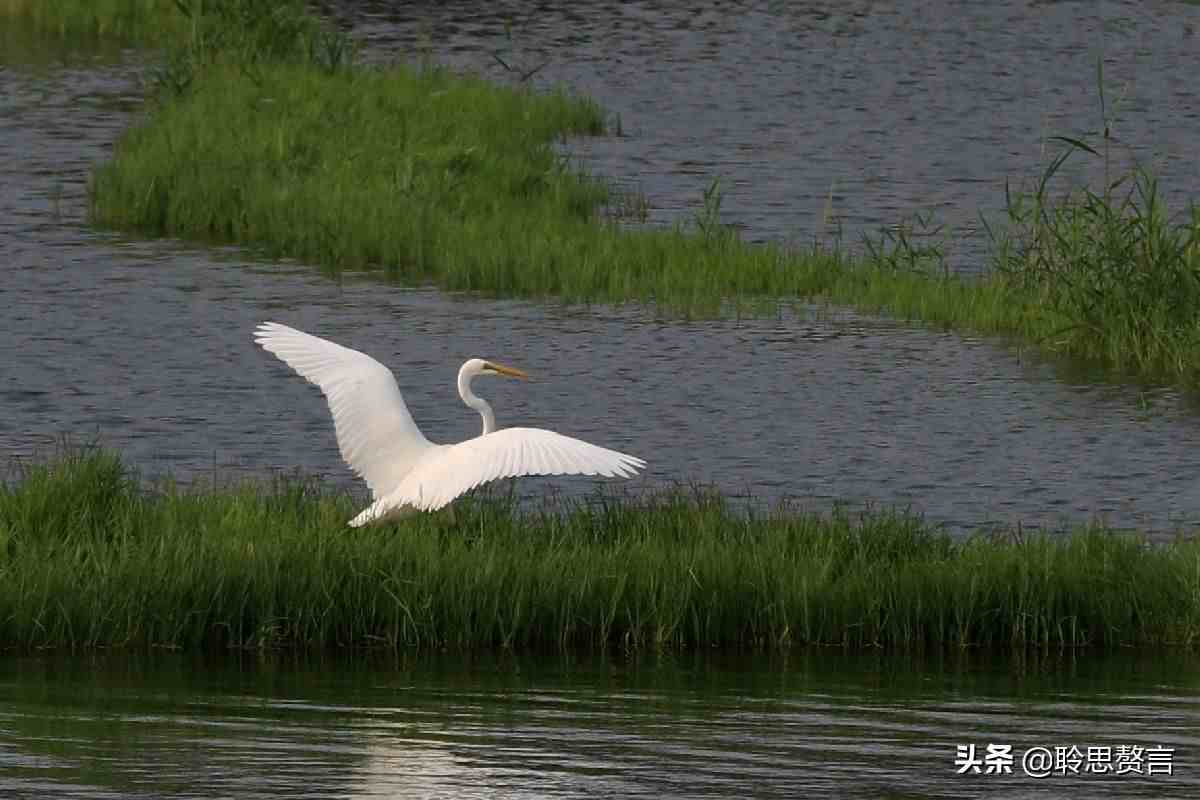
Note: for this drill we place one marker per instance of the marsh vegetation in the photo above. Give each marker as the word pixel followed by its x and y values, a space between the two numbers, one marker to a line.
pixel 429 177
pixel 89 558
pixel 133 20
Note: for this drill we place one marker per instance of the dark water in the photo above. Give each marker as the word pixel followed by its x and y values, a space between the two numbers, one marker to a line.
pixel 147 344
pixel 811 725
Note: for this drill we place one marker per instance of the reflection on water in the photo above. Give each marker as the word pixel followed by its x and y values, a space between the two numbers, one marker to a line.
pixel 814 724
pixel 148 344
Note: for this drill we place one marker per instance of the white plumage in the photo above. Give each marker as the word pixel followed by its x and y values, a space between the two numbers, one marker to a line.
pixel 379 439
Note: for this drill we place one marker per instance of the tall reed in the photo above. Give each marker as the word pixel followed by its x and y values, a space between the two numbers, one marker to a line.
pixel 1117 279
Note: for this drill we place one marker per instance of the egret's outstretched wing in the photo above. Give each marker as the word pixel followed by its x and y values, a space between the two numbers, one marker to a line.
pixel 375 431
pixel 451 470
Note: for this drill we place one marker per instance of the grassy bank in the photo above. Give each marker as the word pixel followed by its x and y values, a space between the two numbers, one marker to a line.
pixel 436 178
pixel 273 139
pixel 135 20
pixel 432 177
pixel 89 560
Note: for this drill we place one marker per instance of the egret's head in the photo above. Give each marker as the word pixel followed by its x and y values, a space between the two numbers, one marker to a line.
pixel 479 366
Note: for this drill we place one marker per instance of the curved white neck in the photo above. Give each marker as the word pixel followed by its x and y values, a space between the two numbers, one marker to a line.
pixel 476 402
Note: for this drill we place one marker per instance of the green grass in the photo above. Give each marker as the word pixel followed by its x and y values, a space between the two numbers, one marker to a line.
pixel 429 177
pixel 140 20
pixel 1113 267
pixel 432 178
pixel 90 560
pixel 266 134
pixel 423 174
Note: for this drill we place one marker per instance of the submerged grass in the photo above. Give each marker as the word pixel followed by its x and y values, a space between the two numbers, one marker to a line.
pixel 88 559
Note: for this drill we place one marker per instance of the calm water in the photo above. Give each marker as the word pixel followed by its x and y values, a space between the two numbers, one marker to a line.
pixel 147 344
pixel 819 725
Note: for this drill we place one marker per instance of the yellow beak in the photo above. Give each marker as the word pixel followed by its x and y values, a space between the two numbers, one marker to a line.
pixel 512 372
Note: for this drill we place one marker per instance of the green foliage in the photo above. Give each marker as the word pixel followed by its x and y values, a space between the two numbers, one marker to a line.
pixel 88 559
pixel 1120 277
pixel 267 137
pixel 144 20
pixel 1115 277
pixel 420 174
pixel 248 34
pixel 917 246
pixel 197 33
pixel 429 177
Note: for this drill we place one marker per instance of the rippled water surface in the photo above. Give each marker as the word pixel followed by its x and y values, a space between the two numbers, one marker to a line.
pixel 147 344
pixel 872 111
pixel 888 107
pixel 817 725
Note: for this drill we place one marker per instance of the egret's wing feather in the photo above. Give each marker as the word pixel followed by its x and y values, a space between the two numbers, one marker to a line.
pixel 376 433
pixel 455 469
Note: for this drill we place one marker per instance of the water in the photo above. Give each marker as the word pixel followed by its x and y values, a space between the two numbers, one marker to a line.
pixel 147 345
pixel 818 724
pixel 871 111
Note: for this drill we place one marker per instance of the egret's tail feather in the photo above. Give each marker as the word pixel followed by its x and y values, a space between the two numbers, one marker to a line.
pixel 379 512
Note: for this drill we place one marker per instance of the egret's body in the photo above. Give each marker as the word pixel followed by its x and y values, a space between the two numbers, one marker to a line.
pixel 406 472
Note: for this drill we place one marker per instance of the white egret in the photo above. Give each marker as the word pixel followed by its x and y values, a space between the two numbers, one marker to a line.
pixel 380 441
